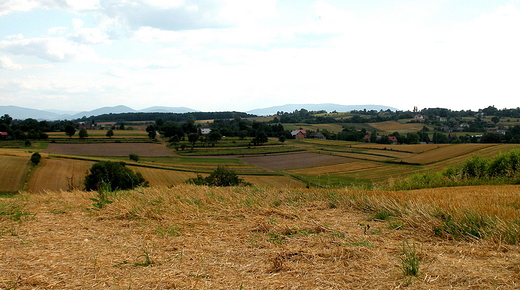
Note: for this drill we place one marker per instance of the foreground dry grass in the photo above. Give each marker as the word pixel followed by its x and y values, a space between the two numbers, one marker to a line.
pixel 190 237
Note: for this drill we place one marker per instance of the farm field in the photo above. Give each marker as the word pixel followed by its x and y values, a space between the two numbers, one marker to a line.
pixel 310 163
pixel 294 160
pixel 13 171
pixel 108 149
pixel 190 237
pixel 54 174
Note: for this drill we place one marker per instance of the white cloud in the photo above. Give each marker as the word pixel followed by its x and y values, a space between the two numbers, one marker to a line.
pixel 8 64
pixel 9 6
pixel 86 35
pixel 52 49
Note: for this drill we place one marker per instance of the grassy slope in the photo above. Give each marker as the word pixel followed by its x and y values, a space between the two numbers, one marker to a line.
pixel 191 237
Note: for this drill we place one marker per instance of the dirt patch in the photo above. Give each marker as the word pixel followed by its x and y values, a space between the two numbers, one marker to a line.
pixel 109 149
pixel 294 160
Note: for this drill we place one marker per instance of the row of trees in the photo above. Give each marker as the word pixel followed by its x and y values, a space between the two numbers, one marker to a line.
pixel 237 127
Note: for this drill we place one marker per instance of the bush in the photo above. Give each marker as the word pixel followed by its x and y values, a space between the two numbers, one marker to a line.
pixel 36 158
pixel 113 174
pixel 220 177
pixel 133 157
pixel 476 167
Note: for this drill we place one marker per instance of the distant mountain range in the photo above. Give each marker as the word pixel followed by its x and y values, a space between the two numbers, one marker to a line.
pixel 26 113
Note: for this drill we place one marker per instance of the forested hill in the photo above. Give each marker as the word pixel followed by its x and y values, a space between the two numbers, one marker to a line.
pixel 167 117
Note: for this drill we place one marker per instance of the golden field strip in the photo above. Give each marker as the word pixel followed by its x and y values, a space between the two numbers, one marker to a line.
pixel 13 171
pixel 192 237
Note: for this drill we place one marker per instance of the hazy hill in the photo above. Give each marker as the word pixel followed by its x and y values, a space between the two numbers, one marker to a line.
pixel 26 113
pixel 159 109
pixel 316 107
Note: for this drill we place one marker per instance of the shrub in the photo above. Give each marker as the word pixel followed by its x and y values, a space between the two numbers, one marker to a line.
pixel 115 174
pixel 475 166
pixel 133 157
pixel 220 177
pixel 36 158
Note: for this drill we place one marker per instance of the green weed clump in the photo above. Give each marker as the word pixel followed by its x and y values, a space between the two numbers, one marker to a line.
pixel 477 170
pixel 14 211
pixel 410 259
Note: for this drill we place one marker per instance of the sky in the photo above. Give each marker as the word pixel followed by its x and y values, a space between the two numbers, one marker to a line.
pixel 220 55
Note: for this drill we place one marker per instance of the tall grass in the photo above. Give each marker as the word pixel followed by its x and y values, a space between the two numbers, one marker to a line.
pixel 466 213
pixel 504 168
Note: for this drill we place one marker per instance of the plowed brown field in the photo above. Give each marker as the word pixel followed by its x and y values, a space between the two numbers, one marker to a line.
pixel 295 160
pixel 109 149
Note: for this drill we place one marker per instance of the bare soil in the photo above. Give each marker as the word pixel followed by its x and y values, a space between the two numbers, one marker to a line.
pixel 294 160
pixel 109 149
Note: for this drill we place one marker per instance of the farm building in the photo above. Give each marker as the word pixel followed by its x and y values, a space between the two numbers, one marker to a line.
pixel 299 134
pixel 4 135
pixel 205 130
pixel 420 117
pixel 317 135
pixel 85 125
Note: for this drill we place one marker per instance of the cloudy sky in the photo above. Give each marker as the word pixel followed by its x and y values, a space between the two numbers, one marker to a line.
pixel 214 55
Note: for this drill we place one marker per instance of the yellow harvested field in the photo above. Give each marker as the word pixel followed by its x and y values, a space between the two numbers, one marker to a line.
pixel 446 152
pixel 338 168
pixel 57 174
pixel 415 148
pixel 363 156
pixel 190 237
pixel 393 126
pixel 273 181
pixel 13 171
pixel 109 149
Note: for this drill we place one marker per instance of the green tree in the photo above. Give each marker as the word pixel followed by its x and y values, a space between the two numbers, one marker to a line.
pixel 133 157
pixel 413 138
pixel 70 130
pixel 110 133
pixel 83 133
pixel 193 138
pixel 152 131
pixel 219 177
pixel 282 139
pixel 260 138
pixel 36 158
pixel 214 136
pixel 113 174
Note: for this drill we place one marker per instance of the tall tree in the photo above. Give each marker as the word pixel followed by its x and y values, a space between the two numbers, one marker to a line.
pixel 70 130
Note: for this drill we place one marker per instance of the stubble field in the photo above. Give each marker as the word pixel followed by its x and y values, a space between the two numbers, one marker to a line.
pixel 190 237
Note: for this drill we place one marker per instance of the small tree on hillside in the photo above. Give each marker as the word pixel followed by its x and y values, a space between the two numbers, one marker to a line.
pixel 110 133
pixel 83 133
pixel 70 130
pixel 220 177
pixel 36 158
pixel 193 138
pixel 113 175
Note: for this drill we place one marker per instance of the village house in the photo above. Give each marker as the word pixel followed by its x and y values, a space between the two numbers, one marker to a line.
pixel 299 134
pixel 393 139
pixel 419 117
pixel 205 131
pixel 85 125
pixel 317 135
pixel 4 136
